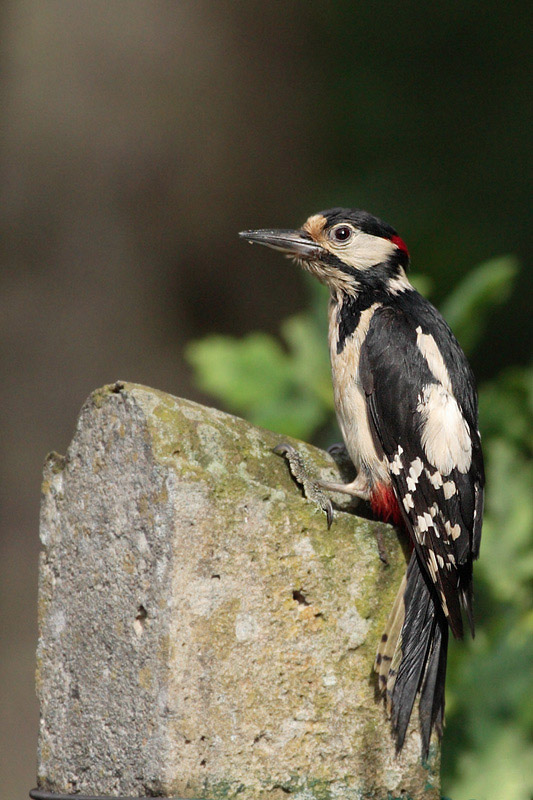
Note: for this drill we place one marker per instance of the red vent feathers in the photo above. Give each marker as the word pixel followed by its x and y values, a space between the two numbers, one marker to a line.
pixel 384 504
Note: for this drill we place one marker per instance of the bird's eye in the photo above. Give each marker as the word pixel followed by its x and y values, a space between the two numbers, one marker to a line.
pixel 342 233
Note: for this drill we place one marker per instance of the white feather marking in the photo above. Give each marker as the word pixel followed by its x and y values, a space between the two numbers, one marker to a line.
pixel 440 560
pixel 429 520
pixel 449 488
pixel 433 561
pixel 428 347
pixel 422 524
pixel 453 530
pixel 399 284
pixel 445 435
pixel 408 502
pixel 435 478
pixel 432 565
pixel 415 471
pixel 396 465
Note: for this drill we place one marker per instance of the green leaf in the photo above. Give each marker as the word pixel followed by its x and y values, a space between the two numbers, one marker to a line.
pixel 309 357
pixel 240 372
pixel 285 391
pixel 467 308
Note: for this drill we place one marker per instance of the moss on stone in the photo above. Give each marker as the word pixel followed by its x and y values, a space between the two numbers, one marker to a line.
pixel 249 672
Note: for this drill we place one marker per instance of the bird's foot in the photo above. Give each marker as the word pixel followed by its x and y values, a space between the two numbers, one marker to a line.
pixel 312 489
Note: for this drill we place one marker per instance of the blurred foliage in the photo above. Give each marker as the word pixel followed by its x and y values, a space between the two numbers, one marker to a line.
pixel 285 386
pixel 466 308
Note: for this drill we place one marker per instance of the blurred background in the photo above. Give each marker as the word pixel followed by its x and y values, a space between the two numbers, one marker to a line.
pixel 138 138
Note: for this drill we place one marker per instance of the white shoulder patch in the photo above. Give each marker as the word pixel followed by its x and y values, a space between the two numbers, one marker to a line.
pixel 445 434
pixel 428 347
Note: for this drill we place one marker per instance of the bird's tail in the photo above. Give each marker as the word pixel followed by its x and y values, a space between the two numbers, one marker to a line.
pixel 412 655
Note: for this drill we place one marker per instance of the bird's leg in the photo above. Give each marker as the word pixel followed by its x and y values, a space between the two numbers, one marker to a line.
pixel 357 488
pixel 313 489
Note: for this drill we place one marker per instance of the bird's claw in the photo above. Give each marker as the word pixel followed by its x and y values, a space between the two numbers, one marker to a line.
pixel 300 474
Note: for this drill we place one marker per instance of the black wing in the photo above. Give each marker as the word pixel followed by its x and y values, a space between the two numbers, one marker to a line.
pixel 441 505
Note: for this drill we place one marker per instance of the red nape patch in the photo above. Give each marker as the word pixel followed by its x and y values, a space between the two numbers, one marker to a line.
pixel 400 244
pixel 384 504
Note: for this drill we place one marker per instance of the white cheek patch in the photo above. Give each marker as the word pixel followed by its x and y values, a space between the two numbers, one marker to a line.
pixel 365 251
pixel 445 435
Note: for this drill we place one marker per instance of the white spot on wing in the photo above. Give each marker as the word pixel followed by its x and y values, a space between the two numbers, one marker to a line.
pixel 415 471
pixel 445 435
pixel 422 524
pixel 449 489
pixel 396 464
pixel 432 565
pixel 408 502
pixel 452 530
pixel 429 520
pixel 435 478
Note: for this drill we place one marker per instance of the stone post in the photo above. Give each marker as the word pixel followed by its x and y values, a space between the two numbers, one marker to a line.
pixel 202 633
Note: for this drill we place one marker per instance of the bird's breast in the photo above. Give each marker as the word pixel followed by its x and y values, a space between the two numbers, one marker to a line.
pixel 349 396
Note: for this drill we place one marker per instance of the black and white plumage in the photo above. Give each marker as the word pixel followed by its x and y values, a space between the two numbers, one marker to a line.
pixel 407 407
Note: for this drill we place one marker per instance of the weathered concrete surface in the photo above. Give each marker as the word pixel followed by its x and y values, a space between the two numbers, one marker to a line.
pixel 202 633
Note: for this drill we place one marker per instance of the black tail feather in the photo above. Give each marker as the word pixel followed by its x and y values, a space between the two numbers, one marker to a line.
pixel 424 645
pixel 431 706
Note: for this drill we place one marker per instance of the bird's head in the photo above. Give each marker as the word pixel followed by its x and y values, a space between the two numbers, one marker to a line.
pixel 344 248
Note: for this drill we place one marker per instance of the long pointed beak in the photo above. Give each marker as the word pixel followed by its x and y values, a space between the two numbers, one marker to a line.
pixel 293 243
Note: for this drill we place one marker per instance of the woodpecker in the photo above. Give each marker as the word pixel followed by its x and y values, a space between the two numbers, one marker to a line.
pixel 406 404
